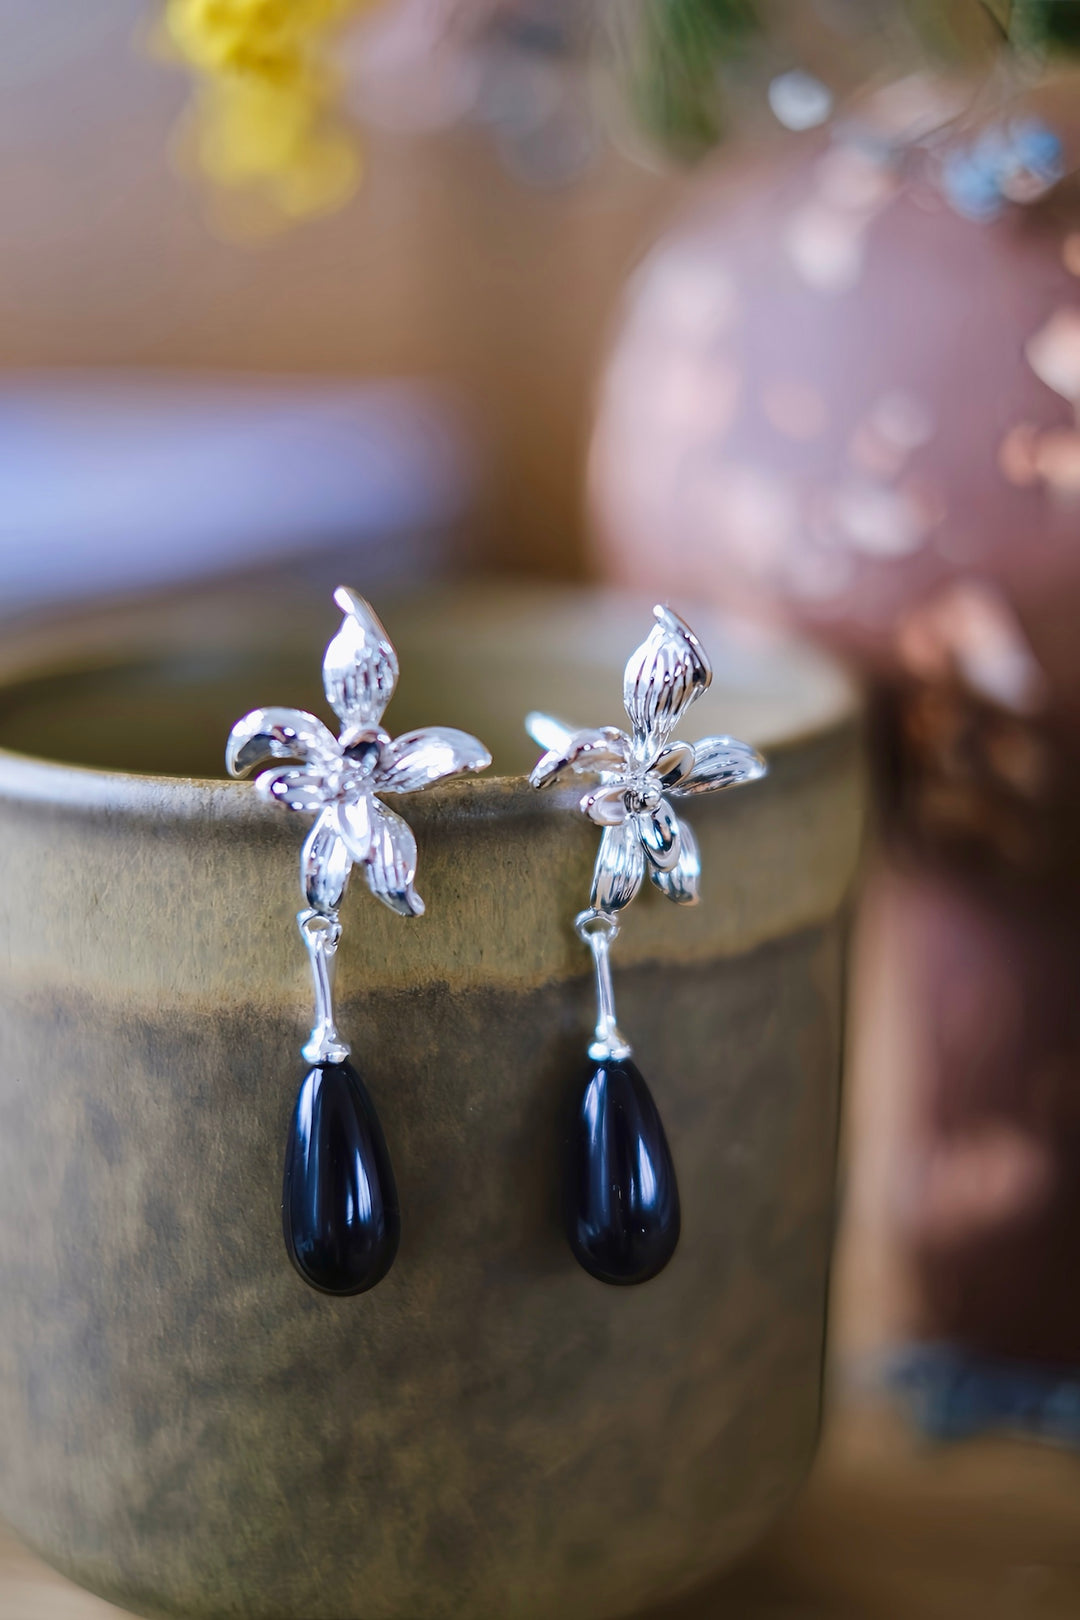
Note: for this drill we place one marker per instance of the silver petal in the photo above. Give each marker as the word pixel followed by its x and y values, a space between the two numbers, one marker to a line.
pixel 602 748
pixel 659 833
pixel 360 667
pixel 355 825
pixel 421 757
pixel 277 734
pixel 620 867
pixel 325 864
pixel 297 787
pixel 662 679
pixel 605 805
pixel 675 764
pixel 391 864
pixel 681 883
pixel 547 732
pixel 721 762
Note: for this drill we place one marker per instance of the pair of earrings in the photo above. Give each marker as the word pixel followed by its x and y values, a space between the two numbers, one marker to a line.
pixel 340 1211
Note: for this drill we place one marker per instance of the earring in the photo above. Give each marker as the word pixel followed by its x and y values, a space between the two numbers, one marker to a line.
pixel 340 1206
pixel 621 1197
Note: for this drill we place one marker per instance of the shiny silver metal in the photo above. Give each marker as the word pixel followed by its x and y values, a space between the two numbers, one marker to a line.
pixel 338 779
pixel 598 929
pixel 635 773
pixel 321 935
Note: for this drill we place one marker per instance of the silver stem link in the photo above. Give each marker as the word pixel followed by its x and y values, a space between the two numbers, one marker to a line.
pixel 321 932
pixel 597 929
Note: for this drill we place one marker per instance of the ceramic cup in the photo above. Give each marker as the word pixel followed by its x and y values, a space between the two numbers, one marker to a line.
pixel 189 1430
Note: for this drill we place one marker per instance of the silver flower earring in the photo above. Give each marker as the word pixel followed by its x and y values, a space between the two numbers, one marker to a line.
pixel 340 1207
pixel 621 1197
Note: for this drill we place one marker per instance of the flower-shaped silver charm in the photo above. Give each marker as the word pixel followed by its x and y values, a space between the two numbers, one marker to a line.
pixel 340 779
pixel 639 769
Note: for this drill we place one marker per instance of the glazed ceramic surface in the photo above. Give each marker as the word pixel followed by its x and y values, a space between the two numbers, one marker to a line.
pixel 186 1427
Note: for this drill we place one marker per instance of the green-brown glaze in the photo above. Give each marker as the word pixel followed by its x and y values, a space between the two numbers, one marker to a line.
pixel 187 1428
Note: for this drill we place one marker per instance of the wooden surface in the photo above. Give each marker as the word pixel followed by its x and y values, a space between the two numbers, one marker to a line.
pixel 885 1531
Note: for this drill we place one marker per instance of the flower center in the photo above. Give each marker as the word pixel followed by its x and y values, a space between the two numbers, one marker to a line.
pixel 644 794
pixel 360 760
pixel 363 755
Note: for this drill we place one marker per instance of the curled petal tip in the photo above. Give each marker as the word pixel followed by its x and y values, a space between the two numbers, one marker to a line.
pixel 549 733
pixel 547 768
pixel 596 750
pixel 681 883
pixel 406 902
pixel 264 786
pixel 667 616
pixel 325 864
pixel 675 622
pixel 276 733
pixel 238 737
pixel 355 606
pixel 350 601
pixel 391 862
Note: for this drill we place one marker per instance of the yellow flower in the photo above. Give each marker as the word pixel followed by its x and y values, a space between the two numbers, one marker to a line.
pixel 250 130
pixel 266 91
pixel 262 38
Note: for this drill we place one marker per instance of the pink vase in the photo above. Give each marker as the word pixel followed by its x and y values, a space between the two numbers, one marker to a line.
pixel 838 400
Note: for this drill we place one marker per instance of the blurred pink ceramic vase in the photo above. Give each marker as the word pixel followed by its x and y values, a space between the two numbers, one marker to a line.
pixel 845 394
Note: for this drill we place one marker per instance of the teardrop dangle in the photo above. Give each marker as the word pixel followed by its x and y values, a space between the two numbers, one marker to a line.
pixel 620 1192
pixel 621 1196
pixel 339 1203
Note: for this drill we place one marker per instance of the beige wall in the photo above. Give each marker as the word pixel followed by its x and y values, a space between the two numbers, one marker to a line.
pixel 443 264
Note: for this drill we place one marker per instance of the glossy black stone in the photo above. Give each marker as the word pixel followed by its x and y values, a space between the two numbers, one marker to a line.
pixel 621 1196
pixel 339 1204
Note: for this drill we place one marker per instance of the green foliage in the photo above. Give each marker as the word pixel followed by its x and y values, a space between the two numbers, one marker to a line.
pixel 1047 24
pixel 673 82
pixel 1041 25
pixel 674 58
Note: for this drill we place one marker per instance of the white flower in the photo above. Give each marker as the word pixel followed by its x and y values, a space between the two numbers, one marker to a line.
pixel 340 778
pixel 637 770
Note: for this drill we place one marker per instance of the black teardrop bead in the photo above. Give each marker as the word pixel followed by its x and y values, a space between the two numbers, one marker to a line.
pixel 340 1205
pixel 621 1196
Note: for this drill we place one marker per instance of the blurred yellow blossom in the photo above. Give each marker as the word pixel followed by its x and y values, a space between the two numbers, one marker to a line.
pixel 266 96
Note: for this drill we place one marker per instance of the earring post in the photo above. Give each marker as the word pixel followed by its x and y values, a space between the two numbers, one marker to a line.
pixel 598 930
pixel 321 932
